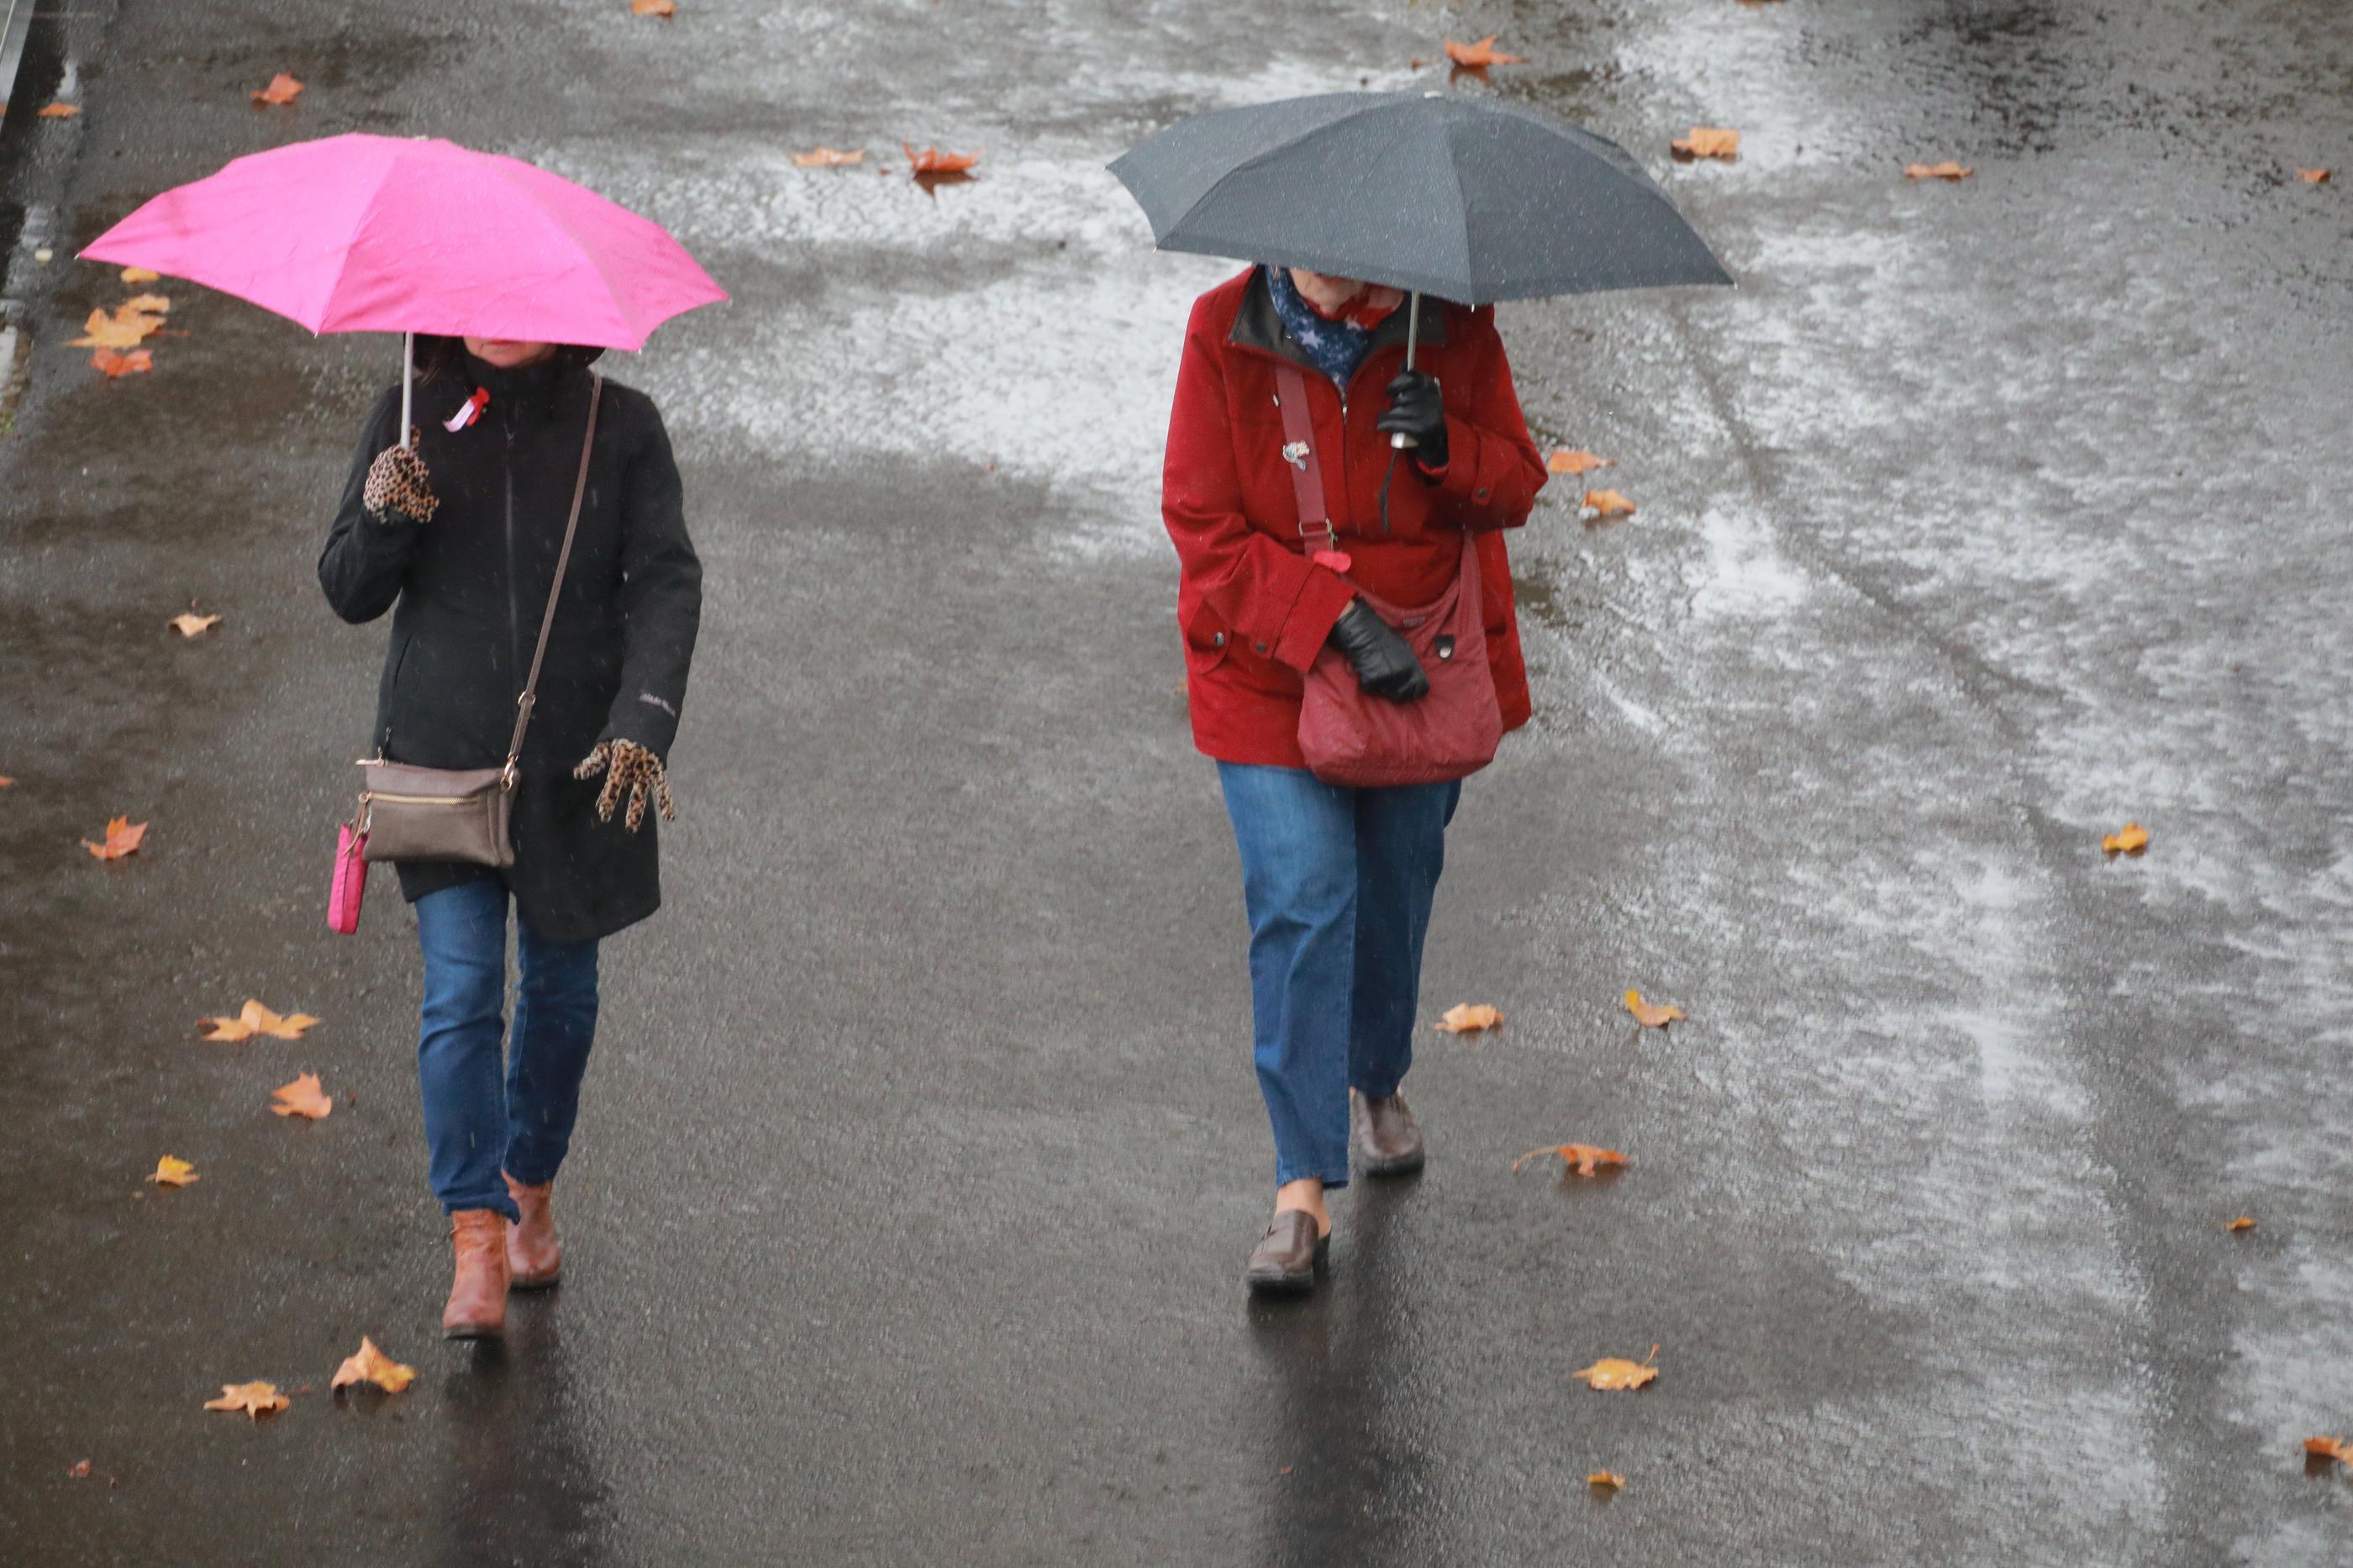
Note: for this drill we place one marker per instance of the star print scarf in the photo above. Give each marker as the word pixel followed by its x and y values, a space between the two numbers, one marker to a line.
pixel 1337 346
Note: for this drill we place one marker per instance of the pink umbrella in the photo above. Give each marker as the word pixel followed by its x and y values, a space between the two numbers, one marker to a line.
pixel 358 234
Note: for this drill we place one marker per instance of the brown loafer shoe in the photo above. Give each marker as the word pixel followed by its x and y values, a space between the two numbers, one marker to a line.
pixel 1285 1260
pixel 477 1295
pixel 534 1257
pixel 1388 1141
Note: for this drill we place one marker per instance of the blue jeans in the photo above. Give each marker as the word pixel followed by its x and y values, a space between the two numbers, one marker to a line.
pixel 477 1121
pixel 1339 884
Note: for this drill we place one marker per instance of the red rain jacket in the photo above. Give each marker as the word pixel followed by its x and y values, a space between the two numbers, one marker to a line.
pixel 1253 609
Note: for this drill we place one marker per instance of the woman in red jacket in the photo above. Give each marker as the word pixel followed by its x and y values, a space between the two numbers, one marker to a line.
pixel 1338 882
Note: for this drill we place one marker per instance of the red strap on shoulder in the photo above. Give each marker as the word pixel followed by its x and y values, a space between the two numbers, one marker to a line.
pixel 1299 451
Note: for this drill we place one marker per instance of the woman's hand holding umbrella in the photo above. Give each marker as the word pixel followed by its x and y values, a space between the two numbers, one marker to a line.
pixel 398 489
pixel 1418 411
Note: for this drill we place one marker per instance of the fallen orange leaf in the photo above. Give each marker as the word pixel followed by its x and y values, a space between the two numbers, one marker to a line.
pixel 2244 1222
pixel 1652 1015
pixel 1481 55
pixel 131 325
pixel 2129 841
pixel 1610 1373
pixel 1566 461
pixel 256 1399
pixel 253 1019
pixel 931 161
pixel 1606 1480
pixel 653 7
pixel 139 274
pixel 827 157
pixel 2335 1449
pixel 61 112
pixel 282 88
pixel 1947 170
pixel 138 362
pixel 80 1470
pixel 1469 1018
pixel 369 1365
pixel 1607 504
pixel 7 783
pixel 174 1172
pixel 123 836
pixel 301 1098
pixel 2313 176
pixel 191 624
pixel 1585 1159
pixel 1705 141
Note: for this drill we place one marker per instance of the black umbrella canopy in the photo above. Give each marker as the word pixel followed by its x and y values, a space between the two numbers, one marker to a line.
pixel 1470 199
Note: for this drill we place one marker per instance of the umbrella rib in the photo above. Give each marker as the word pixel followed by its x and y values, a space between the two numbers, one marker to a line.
pixel 351 244
pixel 1256 158
pixel 613 296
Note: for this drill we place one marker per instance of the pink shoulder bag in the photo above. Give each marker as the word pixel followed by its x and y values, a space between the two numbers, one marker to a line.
pixel 1369 743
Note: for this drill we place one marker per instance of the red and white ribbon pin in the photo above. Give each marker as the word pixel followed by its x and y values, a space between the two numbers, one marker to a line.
pixel 469 411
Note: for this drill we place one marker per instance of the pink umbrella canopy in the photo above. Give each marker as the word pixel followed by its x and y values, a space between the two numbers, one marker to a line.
pixel 362 233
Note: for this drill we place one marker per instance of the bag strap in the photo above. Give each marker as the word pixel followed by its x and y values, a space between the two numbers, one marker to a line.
pixel 1299 451
pixel 530 698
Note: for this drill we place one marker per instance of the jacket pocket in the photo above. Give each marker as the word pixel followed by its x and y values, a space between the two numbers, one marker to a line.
pixel 1207 646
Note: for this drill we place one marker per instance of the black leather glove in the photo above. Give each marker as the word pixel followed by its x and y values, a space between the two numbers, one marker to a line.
pixel 1385 666
pixel 1416 409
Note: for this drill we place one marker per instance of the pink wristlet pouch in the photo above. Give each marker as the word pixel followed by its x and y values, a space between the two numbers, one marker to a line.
pixel 351 881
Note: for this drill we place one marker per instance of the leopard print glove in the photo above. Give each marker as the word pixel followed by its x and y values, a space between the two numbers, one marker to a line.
pixel 629 769
pixel 398 487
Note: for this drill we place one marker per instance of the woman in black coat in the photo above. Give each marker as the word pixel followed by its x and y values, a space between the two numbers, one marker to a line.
pixel 459 538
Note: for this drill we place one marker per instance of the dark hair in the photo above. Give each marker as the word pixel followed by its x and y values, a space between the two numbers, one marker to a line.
pixel 442 359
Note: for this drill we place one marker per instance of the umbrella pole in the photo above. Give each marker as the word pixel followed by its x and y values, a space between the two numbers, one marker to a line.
pixel 408 373
pixel 1399 439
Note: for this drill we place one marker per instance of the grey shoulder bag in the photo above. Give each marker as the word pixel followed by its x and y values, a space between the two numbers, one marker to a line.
pixel 451 813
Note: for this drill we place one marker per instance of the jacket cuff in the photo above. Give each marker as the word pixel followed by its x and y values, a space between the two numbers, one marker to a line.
pixel 643 723
pixel 1321 599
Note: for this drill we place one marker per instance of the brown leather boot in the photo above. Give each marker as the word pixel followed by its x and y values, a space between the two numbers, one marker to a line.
pixel 534 1257
pixel 478 1297
pixel 1388 1143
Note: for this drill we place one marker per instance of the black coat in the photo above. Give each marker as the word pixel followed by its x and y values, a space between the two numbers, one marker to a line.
pixel 467 591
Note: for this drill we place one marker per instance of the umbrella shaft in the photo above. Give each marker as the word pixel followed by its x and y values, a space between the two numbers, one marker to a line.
pixel 408 373
pixel 1399 439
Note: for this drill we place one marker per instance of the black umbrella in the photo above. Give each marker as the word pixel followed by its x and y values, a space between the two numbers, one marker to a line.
pixel 1467 198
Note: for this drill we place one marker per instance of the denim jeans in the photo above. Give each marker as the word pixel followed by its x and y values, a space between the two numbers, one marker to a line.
pixel 479 1121
pixel 1338 883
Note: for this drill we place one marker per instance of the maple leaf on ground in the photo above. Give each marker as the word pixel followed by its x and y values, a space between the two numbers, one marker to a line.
pixel 1481 55
pixel 282 88
pixel 173 1172
pixel 140 275
pixel 1468 1018
pixel 123 836
pixel 138 362
pixel 1652 1015
pixel 7 783
pixel 828 157
pixel 2313 176
pixel 2244 1222
pixel 1947 170
pixel 1605 1480
pixel 1565 461
pixel 931 161
pixel 1607 506
pixel 301 1098
pixel 1585 1159
pixel 192 624
pixel 1707 141
pixel 2131 839
pixel 61 112
pixel 369 1365
pixel 2335 1449
pixel 80 1470
pixel 1610 1373
pixel 653 7
pixel 256 1399
pixel 127 328
pixel 253 1019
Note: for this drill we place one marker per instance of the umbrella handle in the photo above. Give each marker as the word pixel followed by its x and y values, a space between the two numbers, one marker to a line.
pixel 1399 439
pixel 407 374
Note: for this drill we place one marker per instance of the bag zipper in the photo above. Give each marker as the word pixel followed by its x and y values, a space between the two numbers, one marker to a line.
pixel 416 799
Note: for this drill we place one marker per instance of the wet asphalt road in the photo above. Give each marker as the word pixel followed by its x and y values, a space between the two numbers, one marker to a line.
pixel 921 1150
